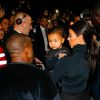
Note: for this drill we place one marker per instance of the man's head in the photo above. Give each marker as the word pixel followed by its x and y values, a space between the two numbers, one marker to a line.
pixel 43 21
pixel 20 48
pixel 5 23
pixel 22 23
pixel 96 20
pixel 96 15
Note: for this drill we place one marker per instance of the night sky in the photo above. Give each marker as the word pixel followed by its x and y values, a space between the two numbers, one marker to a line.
pixel 37 6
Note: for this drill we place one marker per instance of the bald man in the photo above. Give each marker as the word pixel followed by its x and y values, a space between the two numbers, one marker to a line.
pixel 21 80
pixel 22 23
pixel 20 48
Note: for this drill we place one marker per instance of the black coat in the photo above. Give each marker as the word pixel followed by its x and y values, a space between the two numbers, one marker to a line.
pixel 20 81
pixel 72 71
pixel 38 45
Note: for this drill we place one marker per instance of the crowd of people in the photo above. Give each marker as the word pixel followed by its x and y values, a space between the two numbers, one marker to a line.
pixel 49 59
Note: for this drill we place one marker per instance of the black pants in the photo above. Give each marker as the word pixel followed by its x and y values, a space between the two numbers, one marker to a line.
pixel 80 96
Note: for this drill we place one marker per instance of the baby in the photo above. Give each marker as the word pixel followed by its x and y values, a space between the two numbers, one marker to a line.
pixel 56 38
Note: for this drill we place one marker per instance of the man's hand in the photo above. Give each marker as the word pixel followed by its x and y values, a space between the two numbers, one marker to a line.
pixel 2 12
pixel 37 61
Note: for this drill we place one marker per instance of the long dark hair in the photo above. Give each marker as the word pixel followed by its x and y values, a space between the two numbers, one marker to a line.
pixel 84 28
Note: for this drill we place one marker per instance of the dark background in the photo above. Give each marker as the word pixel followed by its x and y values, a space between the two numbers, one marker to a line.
pixel 36 7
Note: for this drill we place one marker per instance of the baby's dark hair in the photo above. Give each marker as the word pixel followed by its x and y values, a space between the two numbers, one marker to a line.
pixel 58 30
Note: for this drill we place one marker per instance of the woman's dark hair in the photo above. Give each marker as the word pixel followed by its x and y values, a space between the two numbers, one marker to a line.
pixel 82 27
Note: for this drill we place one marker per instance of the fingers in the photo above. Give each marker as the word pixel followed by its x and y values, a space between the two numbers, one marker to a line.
pixel 2 12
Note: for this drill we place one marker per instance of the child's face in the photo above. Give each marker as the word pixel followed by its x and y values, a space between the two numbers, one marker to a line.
pixel 55 41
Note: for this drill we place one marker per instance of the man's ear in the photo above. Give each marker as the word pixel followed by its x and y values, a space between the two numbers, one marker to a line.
pixel 26 50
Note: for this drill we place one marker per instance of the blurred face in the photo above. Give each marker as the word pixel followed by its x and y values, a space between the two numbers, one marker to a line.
pixel 96 18
pixel 5 24
pixel 55 41
pixel 55 23
pixel 77 18
pixel 11 20
pixel 45 13
pixel 1 32
pixel 44 22
pixel 73 38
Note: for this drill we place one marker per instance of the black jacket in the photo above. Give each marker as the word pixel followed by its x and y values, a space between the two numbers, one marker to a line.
pixel 73 71
pixel 19 81
pixel 52 57
pixel 38 45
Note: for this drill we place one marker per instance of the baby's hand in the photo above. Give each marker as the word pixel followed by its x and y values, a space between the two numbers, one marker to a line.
pixel 61 55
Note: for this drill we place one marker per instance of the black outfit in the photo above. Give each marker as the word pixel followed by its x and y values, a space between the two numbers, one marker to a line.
pixel 73 71
pixel 94 82
pixel 19 81
pixel 9 34
pixel 38 44
pixel 52 57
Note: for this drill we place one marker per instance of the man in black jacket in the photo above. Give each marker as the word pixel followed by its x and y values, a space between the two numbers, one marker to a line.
pixel 21 80
pixel 40 39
